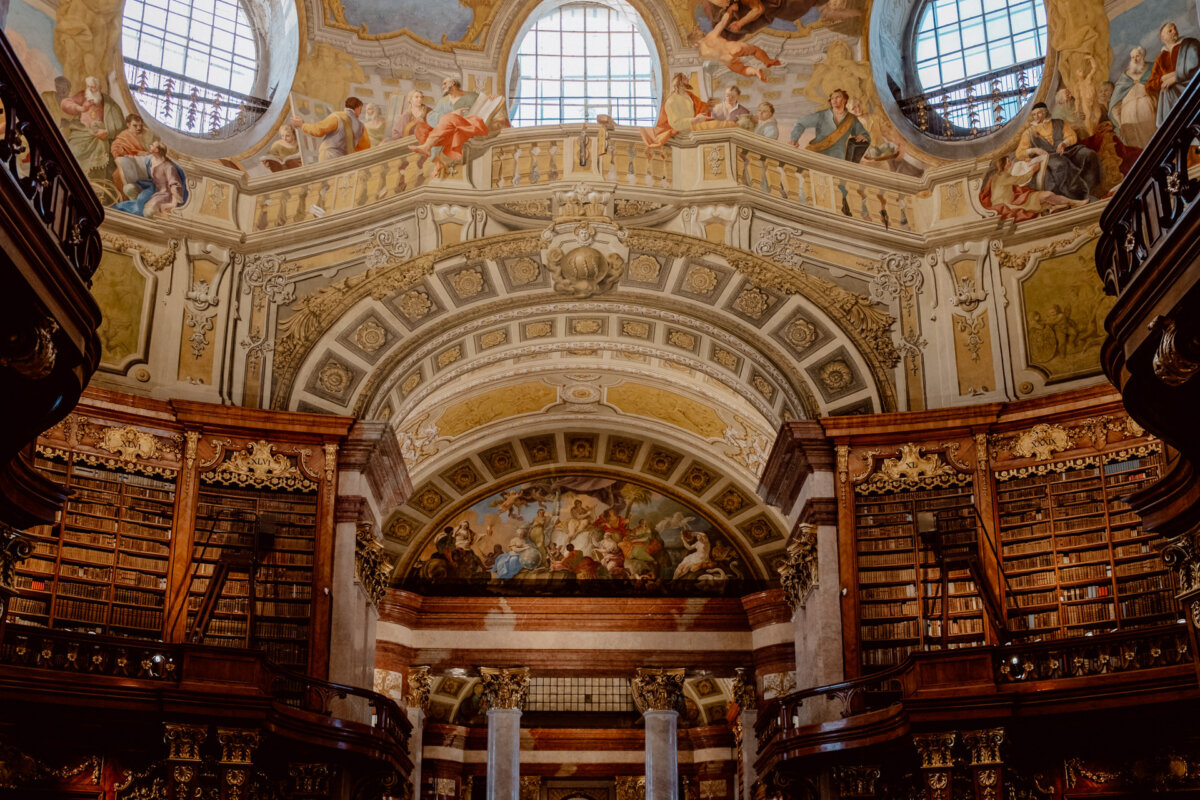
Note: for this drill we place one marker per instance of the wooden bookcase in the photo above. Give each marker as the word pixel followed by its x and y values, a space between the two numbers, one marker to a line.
pixel 104 567
pixel 904 604
pixel 278 621
pixel 135 544
pixel 1076 558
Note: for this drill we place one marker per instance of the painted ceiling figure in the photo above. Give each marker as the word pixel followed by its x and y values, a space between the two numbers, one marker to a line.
pixel 97 121
pixel 1174 68
pixel 749 18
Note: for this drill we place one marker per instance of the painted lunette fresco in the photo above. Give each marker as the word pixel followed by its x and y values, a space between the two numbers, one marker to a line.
pixel 578 534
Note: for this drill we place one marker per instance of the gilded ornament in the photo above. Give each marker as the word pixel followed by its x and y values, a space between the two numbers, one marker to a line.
pixel 410 383
pixel 1042 441
pixel 836 376
pixel 912 470
pixel 449 356
pixel 725 358
pixel 682 339
pixel 752 302
pixel 700 280
pixel 200 325
pixel 467 282
pixel 184 741
pixel 504 688
pixel 1019 261
pixel 260 465
pixel 585 326
pixel 238 745
pixel 534 209
pixel 798 570
pixel 371 565
pixel 155 262
pixel 536 330
pixel 633 208
pixel 370 336
pixel 584 271
pixel 631 787
pixel 856 780
pixel 522 270
pixel 935 750
pixel 744 693
pixel 334 377
pixel 128 443
pixel 415 304
pixel 419 683
pixel 984 746
pixel 531 787
pixel 493 339
pixel 639 330
pixel 973 330
pixel 764 388
pixel 658 690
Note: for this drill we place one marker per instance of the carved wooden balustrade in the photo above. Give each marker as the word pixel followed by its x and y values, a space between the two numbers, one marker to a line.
pixel 1149 258
pixel 49 249
pixel 1134 667
pixel 68 669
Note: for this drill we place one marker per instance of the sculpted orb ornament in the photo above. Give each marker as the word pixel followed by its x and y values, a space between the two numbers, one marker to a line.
pixel 584 271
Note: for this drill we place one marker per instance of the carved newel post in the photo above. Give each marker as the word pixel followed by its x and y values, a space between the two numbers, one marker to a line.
pixel 504 693
pixel 417 697
pixel 658 694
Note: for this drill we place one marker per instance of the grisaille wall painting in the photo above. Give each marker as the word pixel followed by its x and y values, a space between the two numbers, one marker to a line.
pixel 582 533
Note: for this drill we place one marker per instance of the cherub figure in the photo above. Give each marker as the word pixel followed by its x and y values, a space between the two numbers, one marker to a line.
pixel 714 46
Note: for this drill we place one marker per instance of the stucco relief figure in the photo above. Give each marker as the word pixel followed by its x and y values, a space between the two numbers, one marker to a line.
pixel 284 152
pixel 714 46
pixel 413 120
pixel 681 109
pixel 159 183
pixel 836 132
pixel 96 120
pixel 1174 68
pixel 1063 165
pixel 340 133
pixel 1132 109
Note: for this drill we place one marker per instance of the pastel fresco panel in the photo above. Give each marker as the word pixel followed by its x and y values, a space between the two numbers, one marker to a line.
pixel 578 534
pixel 1065 307
pixel 119 290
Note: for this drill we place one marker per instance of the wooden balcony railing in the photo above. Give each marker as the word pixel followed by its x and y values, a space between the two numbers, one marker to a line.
pixel 54 667
pixel 1125 667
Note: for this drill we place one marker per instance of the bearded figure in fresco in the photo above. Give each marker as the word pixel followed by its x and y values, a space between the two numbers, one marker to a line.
pixel 95 122
pixel 1173 70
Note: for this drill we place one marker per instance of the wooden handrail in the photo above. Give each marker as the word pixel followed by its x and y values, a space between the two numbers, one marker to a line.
pixel 35 159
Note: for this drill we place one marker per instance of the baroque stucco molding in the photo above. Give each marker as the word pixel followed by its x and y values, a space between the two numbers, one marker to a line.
pixel 505 688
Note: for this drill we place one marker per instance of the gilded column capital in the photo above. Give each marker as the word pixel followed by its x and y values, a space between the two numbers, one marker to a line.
pixel 371 565
pixel 856 780
pixel 184 741
pixel 984 746
pixel 419 682
pixel 531 787
pixel 631 787
pixel 505 688
pixel 658 690
pixel 744 693
pixel 798 571
pixel 238 744
pixel 934 749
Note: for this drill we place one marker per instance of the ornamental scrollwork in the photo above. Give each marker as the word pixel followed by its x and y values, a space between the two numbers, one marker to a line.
pixel 1174 360
pixel 155 262
pixel 1042 441
pixel 128 443
pixel 504 688
pixel 744 693
pixel 419 685
pixel 798 571
pixel 386 246
pixel 260 465
pixel 371 565
pixel 658 690
pixel 912 469
pixel 935 749
pixel 15 547
pixel 1182 555
pixel 264 276
pixel 183 740
pixel 897 273
pixel 856 780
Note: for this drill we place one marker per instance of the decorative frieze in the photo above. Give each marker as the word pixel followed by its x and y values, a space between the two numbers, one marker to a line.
pixel 505 688
pixel 911 470
pixel 658 690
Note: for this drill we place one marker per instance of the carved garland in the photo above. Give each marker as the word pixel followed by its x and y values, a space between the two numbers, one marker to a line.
pixel 259 465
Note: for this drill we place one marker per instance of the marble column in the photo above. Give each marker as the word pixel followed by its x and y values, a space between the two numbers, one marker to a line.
pixel 746 697
pixel 504 693
pixel 658 694
pixel 417 697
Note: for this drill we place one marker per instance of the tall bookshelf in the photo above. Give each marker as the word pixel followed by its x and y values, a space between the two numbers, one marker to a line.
pixel 901 604
pixel 278 620
pixel 1076 558
pixel 104 567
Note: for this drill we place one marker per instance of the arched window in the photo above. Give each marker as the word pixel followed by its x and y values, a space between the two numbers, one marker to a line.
pixel 978 62
pixel 192 63
pixel 579 60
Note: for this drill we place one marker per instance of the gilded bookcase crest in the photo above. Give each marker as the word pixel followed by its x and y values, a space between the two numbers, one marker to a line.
pixel 259 465
pixel 911 470
pixel 120 447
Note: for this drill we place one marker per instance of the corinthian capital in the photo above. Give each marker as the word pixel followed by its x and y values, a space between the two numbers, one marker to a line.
pixel 419 682
pixel 505 688
pixel 798 572
pixel 658 690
